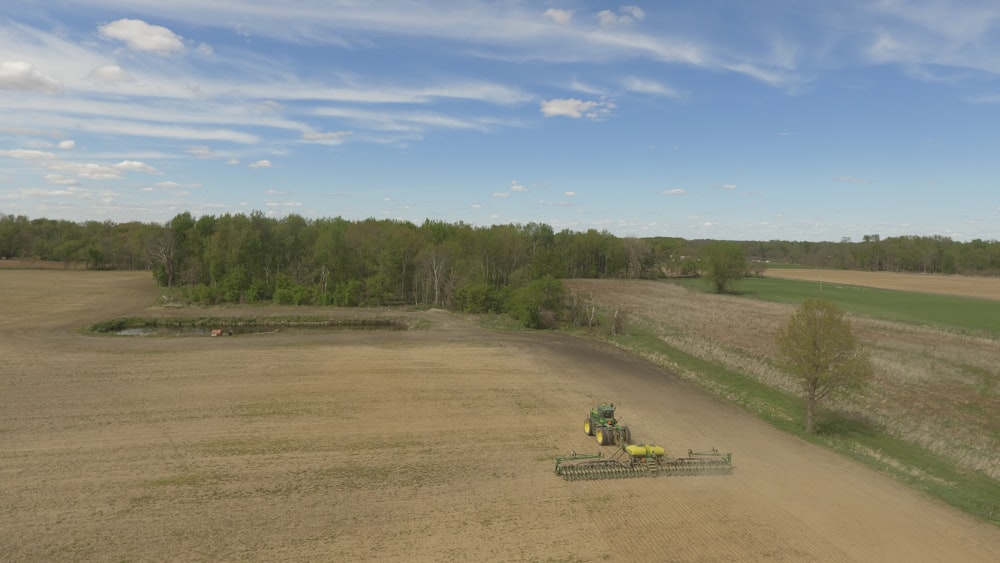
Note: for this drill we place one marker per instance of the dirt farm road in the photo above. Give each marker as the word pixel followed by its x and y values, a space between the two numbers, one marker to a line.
pixel 430 444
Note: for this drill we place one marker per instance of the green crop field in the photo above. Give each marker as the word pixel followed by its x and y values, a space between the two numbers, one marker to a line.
pixel 965 314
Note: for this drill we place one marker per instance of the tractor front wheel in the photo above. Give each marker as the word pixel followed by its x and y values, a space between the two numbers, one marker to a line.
pixel 588 427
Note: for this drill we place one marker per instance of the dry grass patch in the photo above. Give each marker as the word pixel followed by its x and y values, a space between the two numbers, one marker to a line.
pixel 934 388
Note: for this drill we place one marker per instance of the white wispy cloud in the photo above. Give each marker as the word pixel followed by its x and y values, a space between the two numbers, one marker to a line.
pixel 189 76
pixel 110 74
pixel 21 75
pixel 155 130
pixel 623 16
pixel 27 154
pixel 328 138
pixel 938 32
pixel 651 87
pixel 511 32
pixel 398 120
pixel 285 204
pixel 141 36
pixel 202 152
pixel 61 170
pixel 260 164
pixel 547 203
pixel 88 170
pixel 575 108
pixel 963 31
pixel 36 193
pixel 561 17
pixel 60 180
pixel 136 166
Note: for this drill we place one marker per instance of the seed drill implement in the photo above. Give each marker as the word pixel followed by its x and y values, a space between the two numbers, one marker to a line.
pixel 632 460
pixel 642 461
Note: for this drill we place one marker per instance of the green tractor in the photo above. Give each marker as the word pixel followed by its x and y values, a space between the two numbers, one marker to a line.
pixel 601 424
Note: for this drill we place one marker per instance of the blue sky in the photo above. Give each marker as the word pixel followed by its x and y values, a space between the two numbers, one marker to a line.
pixel 728 119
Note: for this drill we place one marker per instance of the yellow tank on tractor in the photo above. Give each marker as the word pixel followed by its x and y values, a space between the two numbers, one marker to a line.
pixel 604 427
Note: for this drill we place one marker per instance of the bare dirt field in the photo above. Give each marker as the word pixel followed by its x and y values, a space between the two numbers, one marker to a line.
pixel 964 286
pixel 31 263
pixel 432 444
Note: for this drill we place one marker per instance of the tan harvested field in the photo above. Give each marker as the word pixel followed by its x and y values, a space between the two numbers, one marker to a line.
pixel 31 263
pixel 963 286
pixel 432 444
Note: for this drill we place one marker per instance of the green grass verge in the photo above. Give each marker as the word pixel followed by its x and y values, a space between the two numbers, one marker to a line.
pixel 781 410
pixel 969 491
pixel 964 314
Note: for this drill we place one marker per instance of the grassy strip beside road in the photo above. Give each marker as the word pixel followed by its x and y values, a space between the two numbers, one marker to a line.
pixel 969 491
pixel 964 314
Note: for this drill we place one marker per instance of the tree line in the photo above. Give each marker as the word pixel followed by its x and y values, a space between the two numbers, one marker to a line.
pixel 238 258
pixel 913 254
pixel 247 258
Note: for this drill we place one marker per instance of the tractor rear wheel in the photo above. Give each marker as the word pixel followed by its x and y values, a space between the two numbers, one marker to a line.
pixel 588 427
pixel 605 436
pixel 626 435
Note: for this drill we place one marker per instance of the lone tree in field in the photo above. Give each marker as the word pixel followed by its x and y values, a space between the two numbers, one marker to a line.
pixel 725 263
pixel 821 350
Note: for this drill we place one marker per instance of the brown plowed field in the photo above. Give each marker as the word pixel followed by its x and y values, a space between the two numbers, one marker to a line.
pixel 963 286
pixel 432 444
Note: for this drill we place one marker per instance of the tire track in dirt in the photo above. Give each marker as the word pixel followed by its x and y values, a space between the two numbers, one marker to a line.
pixel 698 519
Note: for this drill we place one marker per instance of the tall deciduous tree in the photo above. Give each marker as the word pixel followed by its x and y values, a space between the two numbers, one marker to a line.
pixel 821 350
pixel 724 263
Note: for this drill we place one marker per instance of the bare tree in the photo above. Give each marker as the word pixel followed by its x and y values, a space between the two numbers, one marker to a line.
pixel 822 351
pixel 432 264
pixel 583 310
pixel 619 326
pixel 162 252
pixel 639 253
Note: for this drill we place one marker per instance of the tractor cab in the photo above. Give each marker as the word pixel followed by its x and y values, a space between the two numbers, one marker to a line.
pixel 607 413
